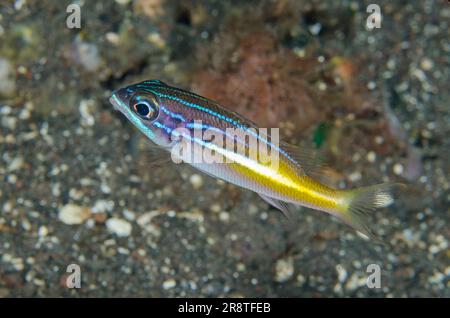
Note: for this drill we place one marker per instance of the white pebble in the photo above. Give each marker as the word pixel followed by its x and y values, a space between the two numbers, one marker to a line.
pixel 315 28
pixel 43 231
pixel 16 164
pixel 145 221
pixel 371 85
pixel 355 281
pixel 301 279
pixel 26 225
pixel 75 194
pixel 123 2
pixel 170 283
pixel 112 38
pixel 73 214
pixel 87 55
pixel 118 227
pixel 371 157
pixel 426 64
pixel 355 176
pixel 196 181
pixel 284 269
pixel 103 206
pixel 342 273
pixel 7 80
pixel 215 207
pixel 129 215
pixel 379 140
pixel 224 216
pixel 398 169
pixel 87 109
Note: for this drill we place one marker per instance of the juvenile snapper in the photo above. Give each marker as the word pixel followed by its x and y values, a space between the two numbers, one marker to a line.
pixel 170 116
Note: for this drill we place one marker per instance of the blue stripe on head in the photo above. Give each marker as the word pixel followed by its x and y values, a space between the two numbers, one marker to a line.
pixel 172 114
pixel 147 86
pixel 224 118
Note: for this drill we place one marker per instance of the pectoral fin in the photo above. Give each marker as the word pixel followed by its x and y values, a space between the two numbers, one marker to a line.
pixel 156 154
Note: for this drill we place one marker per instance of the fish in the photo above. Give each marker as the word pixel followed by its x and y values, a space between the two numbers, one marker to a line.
pixel 283 175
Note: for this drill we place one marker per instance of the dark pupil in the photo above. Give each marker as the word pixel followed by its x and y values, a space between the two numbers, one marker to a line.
pixel 142 109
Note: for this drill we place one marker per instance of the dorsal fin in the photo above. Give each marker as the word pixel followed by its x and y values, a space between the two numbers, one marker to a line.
pixel 311 161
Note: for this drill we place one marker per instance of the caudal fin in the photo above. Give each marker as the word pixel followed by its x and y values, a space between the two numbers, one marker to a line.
pixel 364 201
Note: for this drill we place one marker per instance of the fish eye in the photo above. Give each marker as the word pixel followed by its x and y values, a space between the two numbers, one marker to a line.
pixel 142 109
pixel 145 108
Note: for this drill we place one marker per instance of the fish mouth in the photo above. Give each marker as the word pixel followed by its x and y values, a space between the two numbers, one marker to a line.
pixel 117 99
pixel 115 102
pixel 119 102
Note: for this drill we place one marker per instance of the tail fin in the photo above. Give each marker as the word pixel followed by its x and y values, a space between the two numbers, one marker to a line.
pixel 364 201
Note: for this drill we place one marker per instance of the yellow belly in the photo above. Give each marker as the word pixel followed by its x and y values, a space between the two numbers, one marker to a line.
pixel 292 185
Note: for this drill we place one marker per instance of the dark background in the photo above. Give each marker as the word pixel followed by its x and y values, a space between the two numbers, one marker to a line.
pixel 77 188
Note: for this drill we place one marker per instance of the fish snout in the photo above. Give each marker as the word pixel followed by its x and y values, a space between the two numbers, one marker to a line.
pixel 120 98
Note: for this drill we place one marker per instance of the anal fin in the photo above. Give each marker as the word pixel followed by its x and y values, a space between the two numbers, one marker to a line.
pixel 280 205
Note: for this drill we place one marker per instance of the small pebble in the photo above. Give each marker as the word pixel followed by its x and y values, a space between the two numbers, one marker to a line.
pixel 87 109
pixel 300 279
pixel 355 176
pixel 284 269
pixel 102 206
pixel 113 38
pixel 26 225
pixel 7 80
pixel 216 208
pixel 123 2
pixel 118 227
pixel 72 214
pixel 315 28
pixel 426 64
pixel 342 273
pixel 371 85
pixel 145 221
pixel 224 216
pixel 129 215
pixel 196 181
pixel 398 169
pixel 355 281
pixel 170 283
pixel 371 156
pixel 43 231
pixel 16 164
pixel 87 55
